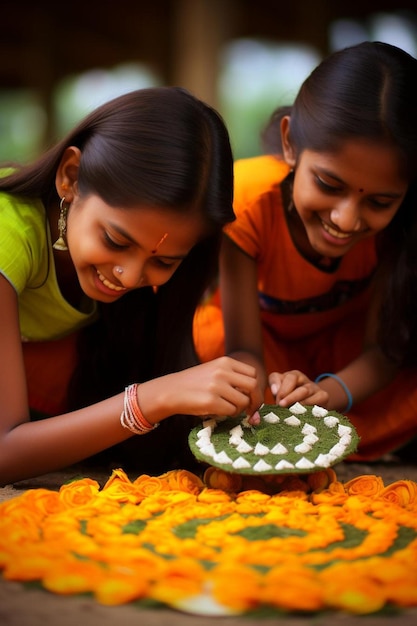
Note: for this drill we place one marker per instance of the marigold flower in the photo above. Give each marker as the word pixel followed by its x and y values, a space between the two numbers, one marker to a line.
pixel 213 495
pixel 73 576
pixel 401 492
pixel 317 481
pixel 293 588
pixel 235 586
pixel 183 480
pixel 78 492
pixel 366 485
pixel 216 478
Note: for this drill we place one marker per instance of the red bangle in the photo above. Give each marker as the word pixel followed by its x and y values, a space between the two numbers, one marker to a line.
pixel 132 416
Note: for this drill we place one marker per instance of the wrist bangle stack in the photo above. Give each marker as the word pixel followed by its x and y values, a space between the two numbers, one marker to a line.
pixel 342 384
pixel 132 417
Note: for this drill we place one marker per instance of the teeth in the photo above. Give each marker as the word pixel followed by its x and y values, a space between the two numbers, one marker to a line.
pixel 108 283
pixel 336 233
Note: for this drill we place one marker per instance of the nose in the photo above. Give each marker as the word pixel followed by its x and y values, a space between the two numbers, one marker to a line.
pixel 130 275
pixel 346 215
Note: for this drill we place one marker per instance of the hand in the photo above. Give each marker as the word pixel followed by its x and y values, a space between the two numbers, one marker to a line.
pixel 224 387
pixel 294 386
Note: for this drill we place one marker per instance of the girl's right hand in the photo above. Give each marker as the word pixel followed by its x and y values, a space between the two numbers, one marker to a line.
pixel 224 387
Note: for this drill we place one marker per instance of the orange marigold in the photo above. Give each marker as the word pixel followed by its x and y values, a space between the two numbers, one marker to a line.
pixel 402 492
pixel 366 485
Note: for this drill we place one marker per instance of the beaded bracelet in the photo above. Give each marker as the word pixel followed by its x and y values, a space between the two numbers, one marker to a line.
pixel 343 384
pixel 132 416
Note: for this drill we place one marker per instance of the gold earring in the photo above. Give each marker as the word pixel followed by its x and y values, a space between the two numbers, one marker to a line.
pixel 60 243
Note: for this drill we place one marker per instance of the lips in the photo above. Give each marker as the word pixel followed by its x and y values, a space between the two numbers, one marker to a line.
pixel 108 284
pixel 335 233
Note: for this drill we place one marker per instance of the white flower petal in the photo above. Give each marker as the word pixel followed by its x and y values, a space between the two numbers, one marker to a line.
pixel 236 431
pixel 344 430
pixel 292 421
pixel 204 432
pixel 302 448
pixel 279 449
pixel 311 439
pixel 244 447
pixel 208 450
pixel 271 418
pixel 261 466
pixel 323 460
pixel 331 421
pixel 202 442
pixel 240 463
pixel 308 429
pixel 222 457
pixel 283 464
pixel 234 440
pixel 260 449
pixel 304 463
pixel 298 408
pixel 319 411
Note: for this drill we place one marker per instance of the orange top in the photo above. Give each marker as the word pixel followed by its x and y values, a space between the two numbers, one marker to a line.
pixel 296 298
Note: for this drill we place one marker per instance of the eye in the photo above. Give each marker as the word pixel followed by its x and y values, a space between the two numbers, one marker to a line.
pixel 380 204
pixel 113 244
pixel 166 265
pixel 325 186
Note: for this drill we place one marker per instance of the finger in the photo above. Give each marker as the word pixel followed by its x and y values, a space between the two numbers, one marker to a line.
pixel 288 384
pixel 255 419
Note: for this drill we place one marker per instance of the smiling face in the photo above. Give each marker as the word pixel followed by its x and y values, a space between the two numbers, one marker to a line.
pixel 147 244
pixel 345 196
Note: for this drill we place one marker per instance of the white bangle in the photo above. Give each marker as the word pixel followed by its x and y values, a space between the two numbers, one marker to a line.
pixel 132 417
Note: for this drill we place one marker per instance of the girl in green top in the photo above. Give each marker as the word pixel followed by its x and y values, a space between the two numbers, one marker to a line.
pixel 108 241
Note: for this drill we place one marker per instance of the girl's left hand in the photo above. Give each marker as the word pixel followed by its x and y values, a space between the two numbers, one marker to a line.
pixel 294 386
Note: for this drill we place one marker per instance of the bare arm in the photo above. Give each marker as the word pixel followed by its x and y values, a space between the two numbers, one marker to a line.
pixel 240 306
pixel 222 387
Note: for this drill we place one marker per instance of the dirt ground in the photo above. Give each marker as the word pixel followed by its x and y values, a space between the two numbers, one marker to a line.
pixel 24 606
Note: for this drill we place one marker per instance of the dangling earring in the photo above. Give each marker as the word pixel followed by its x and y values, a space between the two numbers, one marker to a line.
pixel 60 243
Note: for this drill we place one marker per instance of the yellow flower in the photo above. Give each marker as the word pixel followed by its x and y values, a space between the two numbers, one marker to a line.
pixel 180 579
pixel 317 481
pixel 235 586
pixel 120 488
pixel 78 493
pixel 293 588
pixel 216 478
pixel 119 586
pixel 73 576
pixel 402 492
pixel 348 589
pixel 183 480
pixel 213 496
pixel 367 485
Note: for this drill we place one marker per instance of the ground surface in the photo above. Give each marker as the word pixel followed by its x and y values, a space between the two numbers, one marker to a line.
pixel 21 606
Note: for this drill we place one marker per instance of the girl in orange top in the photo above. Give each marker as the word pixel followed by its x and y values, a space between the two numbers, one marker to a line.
pixel 316 274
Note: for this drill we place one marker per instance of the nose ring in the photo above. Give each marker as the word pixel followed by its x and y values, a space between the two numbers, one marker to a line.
pixel 118 269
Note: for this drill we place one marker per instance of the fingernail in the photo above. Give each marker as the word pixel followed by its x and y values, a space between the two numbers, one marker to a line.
pixel 274 389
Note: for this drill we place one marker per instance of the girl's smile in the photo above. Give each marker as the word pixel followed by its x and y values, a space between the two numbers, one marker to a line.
pixel 109 286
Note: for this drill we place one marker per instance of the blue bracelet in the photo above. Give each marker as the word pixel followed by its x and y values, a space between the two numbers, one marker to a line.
pixel 343 384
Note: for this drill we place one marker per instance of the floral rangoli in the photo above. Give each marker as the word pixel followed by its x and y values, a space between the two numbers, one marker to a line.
pixel 228 544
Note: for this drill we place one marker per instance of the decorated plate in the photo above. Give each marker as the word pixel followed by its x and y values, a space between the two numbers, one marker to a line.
pixel 299 439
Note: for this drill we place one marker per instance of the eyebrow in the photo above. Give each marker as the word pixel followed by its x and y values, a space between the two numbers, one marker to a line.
pixel 123 233
pixel 388 194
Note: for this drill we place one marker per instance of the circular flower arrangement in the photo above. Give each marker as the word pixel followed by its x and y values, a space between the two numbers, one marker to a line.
pixel 296 440
pixel 227 545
